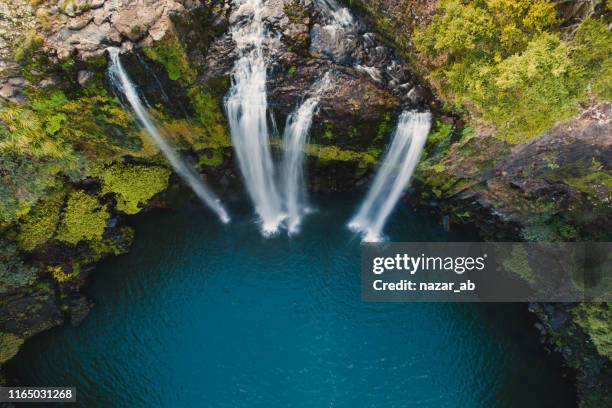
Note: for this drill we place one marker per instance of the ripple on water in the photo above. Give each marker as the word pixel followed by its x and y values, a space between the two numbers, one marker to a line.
pixel 200 314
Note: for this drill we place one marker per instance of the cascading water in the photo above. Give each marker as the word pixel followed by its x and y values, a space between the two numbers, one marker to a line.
pixel 294 140
pixel 340 16
pixel 396 170
pixel 121 81
pixel 246 105
pixel 335 38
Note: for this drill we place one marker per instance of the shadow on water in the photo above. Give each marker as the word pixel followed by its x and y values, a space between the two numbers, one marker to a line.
pixel 201 314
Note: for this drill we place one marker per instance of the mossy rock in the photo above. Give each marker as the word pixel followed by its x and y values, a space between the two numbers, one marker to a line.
pixel 9 346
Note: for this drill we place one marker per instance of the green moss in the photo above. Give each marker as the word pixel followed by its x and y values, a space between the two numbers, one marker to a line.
pixel 9 346
pixel 212 158
pixel 596 320
pixel 385 127
pixel 39 225
pixel 117 245
pixel 292 70
pixel 596 179
pixel 31 42
pixel 518 263
pixel 84 219
pixel 172 55
pixel 295 12
pixel 334 153
pixel 207 109
pixel 328 133
pixel 133 185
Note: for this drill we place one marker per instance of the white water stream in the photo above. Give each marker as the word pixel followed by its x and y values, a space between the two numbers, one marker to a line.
pixel 393 176
pixel 121 81
pixel 246 106
pixel 294 142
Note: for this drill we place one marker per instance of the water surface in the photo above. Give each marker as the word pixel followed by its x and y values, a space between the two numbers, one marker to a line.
pixel 200 314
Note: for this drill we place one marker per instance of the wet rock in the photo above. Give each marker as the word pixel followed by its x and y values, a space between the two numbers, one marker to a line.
pixel 332 42
pixel 84 77
pixel 78 308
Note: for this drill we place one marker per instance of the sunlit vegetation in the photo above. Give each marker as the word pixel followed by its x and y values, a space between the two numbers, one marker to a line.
pixel 594 319
pixel 507 63
pixel 173 56
pixel 133 185
pixel 84 219
pixel 40 224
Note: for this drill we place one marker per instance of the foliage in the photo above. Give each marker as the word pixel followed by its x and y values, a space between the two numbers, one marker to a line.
pixel 59 275
pixel 39 225
pixel 173 56
pixel 211 158
pixel 595 320
pixel 31 42
pixel 133 184
pixel 208 112
pixel 13 272
pixel 170 53
pixel 39 144
pixel 595 180
pixel 118 244
pixel 590 52
pixel 518 263
pixel 335 153
pixel 84 219
pixel 504 62
pixel 385 127
pixel 9 346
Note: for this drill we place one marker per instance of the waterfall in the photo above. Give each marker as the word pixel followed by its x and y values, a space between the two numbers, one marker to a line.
pixel 294 140
pixel 396 170
pixel 246 106
pixel 340 17
pixel 121 81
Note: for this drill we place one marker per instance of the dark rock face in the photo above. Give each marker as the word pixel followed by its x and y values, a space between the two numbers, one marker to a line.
pixel 559 178
pixel 28 311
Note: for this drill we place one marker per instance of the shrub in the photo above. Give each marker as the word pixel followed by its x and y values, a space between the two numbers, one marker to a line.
pixel 595 320
pixel 504 61
pixel 39 225
pixel 13 272
pixel 84 219
pixel 133 185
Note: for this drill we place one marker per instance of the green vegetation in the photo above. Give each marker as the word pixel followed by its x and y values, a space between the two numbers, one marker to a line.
pixel 13 272
pixel 596 179
pixel 84 219
pixel 485 56
pixel 40 224
pixel 133 185
pixel 173 56
pixel 595 320
pixel 517 263
pixel 334 153
pixel 328 133
pixel 28 46
pixel 211 158
pixel 9 346
pixel 385 127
